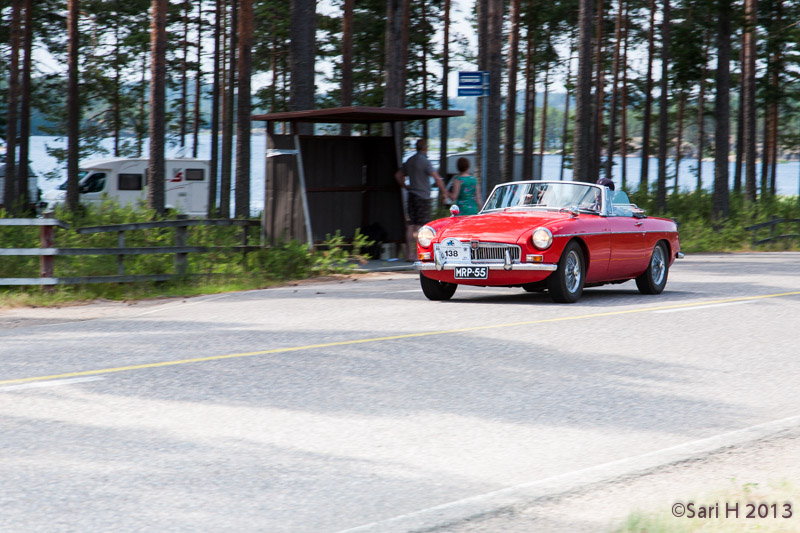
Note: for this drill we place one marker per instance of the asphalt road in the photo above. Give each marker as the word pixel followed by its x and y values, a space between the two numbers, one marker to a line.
pixel 358 404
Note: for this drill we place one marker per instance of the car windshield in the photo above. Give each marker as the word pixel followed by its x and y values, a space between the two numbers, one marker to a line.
pixel 548 195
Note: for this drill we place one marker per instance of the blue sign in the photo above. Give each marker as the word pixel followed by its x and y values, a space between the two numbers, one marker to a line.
pixel 473 79
pixel 472 91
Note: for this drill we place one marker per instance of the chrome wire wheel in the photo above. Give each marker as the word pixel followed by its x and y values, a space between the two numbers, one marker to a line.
pixel 573 271
pixel 658 266
pixel 565 285
pixel 654 279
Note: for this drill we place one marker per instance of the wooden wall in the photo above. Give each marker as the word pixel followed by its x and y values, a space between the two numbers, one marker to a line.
pixel 349 185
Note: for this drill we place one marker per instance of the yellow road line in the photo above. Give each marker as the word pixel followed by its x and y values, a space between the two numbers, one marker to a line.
pixel 387 338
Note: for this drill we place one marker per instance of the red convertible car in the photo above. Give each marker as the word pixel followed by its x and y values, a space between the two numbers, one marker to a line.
pixel 559 236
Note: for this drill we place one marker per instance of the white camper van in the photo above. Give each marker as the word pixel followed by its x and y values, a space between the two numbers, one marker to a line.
pixel 125 180
pixel 33 181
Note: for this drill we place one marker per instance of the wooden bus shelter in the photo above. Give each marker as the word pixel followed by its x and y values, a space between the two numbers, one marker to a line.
pixel 318 184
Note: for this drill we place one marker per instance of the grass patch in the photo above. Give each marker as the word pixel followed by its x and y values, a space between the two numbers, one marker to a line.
pixel 214 272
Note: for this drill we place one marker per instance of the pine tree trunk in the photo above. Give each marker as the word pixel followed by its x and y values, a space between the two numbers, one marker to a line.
pixel 583 88
pixel 529 119
pixel 244 69
pixel 443 128
pixel 495 64
pixel 766 149
pixel 302 53
pixel 215 98
pixel 565 132
pixel 227 116
pixel 774 146
pixel 511 98
pixel 749 101
pixel 198 84
pixel 116 107
pixel 424 8
pixel 141 129
pixel 273 91
pixel 182 124
pixel 679 141
pixel 599 94
pixel 623 141
pixel 543 132
pixel 395 64
pixel 158 80
pixel 10 194
pixel 612 118
pixel 644 178
pixel 73 104
pixel 738 167
pixel 25 107
pixel 481 8
pixel 701 116
pixel 663 125
pixel 722 112
pixel 347 60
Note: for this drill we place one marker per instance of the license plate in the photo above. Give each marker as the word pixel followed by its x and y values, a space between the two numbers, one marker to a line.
pixel 453 251
pixel 471 272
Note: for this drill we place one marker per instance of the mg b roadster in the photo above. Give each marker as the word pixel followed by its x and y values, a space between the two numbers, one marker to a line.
pixel 557 236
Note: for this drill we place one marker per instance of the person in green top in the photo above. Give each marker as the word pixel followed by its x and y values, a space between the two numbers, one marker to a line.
pixel 464 192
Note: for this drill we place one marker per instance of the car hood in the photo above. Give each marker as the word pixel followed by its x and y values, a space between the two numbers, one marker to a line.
pixel 505 226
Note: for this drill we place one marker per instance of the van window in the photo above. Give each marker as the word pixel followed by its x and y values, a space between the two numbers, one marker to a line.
pixel 94 183
pixel 130 182
pixel 195 174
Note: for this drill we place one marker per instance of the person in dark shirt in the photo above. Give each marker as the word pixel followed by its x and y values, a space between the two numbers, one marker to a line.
pixel 418 204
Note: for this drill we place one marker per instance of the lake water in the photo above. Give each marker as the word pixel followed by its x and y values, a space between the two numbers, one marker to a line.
pixel 788 174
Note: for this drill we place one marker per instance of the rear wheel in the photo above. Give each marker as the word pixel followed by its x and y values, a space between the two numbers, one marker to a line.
pixel 654 279
pixel 566 283
pixel 436 290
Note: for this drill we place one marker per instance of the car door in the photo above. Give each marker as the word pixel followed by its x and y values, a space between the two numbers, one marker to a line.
pixel 630 250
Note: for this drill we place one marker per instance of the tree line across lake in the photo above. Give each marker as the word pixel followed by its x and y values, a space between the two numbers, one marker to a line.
pixel 675 79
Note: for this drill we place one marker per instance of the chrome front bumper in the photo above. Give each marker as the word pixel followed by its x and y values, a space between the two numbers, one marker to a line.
pixel 430 265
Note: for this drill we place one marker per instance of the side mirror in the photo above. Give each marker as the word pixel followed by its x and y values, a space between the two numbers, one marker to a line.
pixel 454 210
pixel 638 212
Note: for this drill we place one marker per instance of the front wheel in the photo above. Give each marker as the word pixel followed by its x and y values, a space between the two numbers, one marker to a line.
pixel 654 279
pixel 566 283
pixel 436 290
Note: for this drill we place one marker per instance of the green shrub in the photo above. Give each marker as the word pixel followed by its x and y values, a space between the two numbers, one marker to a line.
pixel 699 232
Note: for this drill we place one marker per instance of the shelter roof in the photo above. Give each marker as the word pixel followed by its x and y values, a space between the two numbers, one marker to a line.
pixel 359 115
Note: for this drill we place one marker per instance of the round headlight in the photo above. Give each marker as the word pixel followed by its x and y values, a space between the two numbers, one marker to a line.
pixel 425 236
pixel 542 238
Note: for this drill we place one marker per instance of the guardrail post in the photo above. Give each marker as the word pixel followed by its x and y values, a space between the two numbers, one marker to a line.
pixel 180 240
pixel 244 244
pixel 120 258
pixel 46 262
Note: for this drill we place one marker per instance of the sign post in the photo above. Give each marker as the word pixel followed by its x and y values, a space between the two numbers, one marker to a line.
pixel 476 83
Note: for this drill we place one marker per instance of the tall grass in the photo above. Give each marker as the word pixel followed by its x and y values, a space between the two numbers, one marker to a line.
pixel 700 232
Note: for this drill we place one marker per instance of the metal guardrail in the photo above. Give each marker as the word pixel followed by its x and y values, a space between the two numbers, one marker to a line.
pixel 47 250
pixel 772 226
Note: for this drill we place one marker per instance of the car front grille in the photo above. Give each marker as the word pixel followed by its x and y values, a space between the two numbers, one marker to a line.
pixel 494 252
